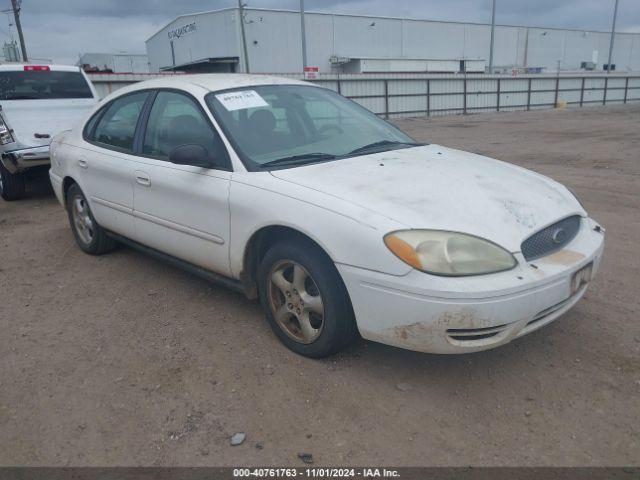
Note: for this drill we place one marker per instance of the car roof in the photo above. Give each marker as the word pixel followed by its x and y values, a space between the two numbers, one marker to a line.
pixel 19 67
pixel 214 81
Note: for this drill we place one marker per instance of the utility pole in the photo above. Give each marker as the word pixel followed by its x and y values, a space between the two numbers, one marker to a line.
pixel 613 36
pixel 15 4
pixel 244 37
pixel 493 27
pixel 303 31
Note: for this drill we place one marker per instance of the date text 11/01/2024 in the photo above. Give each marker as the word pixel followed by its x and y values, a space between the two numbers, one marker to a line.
pixel 315 473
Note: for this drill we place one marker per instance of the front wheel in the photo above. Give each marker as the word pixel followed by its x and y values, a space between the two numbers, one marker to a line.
pixel 305 300
pixel 12 185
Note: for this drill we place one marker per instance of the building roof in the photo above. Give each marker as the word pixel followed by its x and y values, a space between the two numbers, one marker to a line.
pixel 382 17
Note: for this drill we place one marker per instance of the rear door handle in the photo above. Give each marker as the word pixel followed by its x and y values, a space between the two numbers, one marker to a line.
pixel 83 164
pixel 142 178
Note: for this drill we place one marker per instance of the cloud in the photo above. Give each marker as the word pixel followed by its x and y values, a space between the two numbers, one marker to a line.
pixel 61 30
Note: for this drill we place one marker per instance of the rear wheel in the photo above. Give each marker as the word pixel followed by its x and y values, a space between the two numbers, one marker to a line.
pixel 90 236
pixel 12 185
pixel 306 303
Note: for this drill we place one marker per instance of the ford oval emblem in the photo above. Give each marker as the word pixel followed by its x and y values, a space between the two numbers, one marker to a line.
pixel 559 236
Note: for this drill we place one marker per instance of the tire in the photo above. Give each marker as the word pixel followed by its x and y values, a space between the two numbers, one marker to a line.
pixel 90 237
pixel 12 185
pixel 289 262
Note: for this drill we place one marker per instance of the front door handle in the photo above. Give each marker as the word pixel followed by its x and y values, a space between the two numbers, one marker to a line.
pixel 83 163
pixel 142 178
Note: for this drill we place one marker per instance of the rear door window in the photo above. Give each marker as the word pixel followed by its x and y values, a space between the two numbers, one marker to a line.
pixel 117 126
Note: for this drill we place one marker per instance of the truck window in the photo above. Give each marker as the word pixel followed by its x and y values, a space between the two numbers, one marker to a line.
pixel 43 85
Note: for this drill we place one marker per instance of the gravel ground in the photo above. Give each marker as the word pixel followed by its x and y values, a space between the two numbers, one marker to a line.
pixel 123 360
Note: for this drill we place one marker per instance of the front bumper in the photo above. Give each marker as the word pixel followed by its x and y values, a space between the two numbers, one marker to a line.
pixel 466 314
pixel 20 160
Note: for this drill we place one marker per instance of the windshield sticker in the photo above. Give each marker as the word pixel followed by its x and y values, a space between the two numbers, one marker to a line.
pixel 241 100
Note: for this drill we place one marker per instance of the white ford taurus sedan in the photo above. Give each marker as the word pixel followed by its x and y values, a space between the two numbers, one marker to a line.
pixel 335 219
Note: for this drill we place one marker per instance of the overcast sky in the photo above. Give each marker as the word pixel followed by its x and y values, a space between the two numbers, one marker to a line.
pixel 60 30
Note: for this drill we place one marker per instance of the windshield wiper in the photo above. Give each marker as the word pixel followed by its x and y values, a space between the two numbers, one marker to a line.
pixel 300 159
pixel 384 143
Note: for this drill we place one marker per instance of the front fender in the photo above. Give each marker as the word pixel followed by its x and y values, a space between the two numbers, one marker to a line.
pixel 349 234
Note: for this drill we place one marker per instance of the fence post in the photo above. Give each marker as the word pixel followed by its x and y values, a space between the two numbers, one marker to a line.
pixel 386 99
pixel 464 90
pixel 339 86
pixel 582 91
pixel 428 97
pixel 604 94
pixel 555 101
pixel 529 95
pixel 626 88
pixel 498 97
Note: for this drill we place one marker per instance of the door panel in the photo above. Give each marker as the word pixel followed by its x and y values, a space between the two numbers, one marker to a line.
pixel 105 165
pixel 183 211
pixel 106 180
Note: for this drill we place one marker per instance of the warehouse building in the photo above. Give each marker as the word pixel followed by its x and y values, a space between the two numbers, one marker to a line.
pixel 213 42
pixel 114 62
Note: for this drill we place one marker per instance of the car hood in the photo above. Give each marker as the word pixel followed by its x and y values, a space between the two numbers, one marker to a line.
pixel 30 117
pixel 440 188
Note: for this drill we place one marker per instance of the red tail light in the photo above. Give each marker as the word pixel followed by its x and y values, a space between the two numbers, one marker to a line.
pixel 36 68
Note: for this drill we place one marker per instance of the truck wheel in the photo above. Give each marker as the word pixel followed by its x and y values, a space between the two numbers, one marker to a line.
pixel 305 300
pixel 90 236
pixel 12 185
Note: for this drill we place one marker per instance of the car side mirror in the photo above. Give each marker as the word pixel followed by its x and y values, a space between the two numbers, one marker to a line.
pixel 191 154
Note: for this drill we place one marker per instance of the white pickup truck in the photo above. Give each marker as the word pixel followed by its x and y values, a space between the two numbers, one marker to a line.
pixel 36 103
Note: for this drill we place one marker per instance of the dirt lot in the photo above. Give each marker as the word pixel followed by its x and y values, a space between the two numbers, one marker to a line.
pixel 124 360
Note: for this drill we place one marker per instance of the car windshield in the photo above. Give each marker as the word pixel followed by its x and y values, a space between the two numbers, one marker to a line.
pixel 43 84
pixel 274 126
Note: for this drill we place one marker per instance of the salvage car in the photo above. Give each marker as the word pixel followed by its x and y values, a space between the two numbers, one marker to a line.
pixel 336 220
pixel 36 102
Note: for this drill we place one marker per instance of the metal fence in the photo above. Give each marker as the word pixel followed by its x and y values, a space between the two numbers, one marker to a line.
pixel 411 95
pixel 440 95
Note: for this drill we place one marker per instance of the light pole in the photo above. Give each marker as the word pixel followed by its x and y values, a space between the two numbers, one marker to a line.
pixel 493 27
pixel 303 31
pixel 613 36
pixel 244 37
pixel 15 4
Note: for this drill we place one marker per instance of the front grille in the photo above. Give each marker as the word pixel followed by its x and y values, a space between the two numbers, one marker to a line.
pixel 550 239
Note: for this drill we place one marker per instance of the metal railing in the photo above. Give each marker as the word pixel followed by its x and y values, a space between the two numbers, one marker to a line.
pixel 463 94
pixel 403 95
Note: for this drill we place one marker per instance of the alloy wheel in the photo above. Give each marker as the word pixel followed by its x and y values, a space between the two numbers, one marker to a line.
pixel 295 301
pixel 82 219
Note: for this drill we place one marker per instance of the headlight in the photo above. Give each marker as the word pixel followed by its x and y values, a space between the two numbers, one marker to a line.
pixel 448 253
pixel 5 134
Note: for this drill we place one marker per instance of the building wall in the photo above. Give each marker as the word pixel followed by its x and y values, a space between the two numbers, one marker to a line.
pixel 274 45
pixel 215 35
